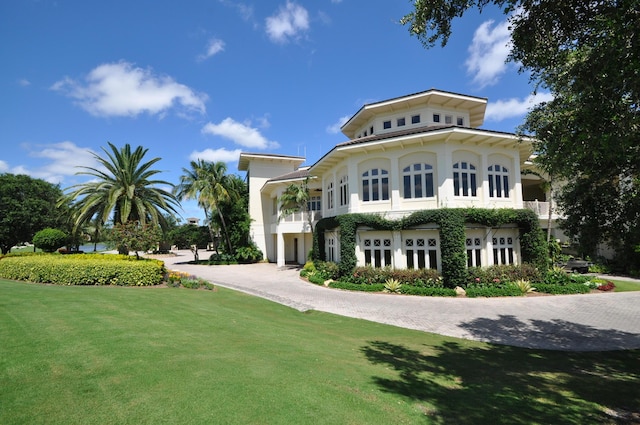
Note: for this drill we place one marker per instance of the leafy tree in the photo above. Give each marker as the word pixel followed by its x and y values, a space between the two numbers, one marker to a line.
pixel 125 191
pixel 209 183
pixel 588 55
pixel 188 234
pixel 50 239
pixel 27 205
pixel 136 236
pixel 236 212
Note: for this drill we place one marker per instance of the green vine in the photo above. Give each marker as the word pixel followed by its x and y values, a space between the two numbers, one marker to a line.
pixel 451 223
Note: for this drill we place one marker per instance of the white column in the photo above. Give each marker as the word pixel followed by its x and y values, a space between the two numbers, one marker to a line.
pixel 517 185
pixel 280 261
pixel 483 176
pixel 399 261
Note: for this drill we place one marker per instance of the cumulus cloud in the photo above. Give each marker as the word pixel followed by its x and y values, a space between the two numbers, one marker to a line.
pixel 336 127
pixel 24 82
pixel 58 161
pixel 290 21
pixel 242 134
pixel 214 155
pixel 514 107
pixel 214 47
pixel 488 53
pixel 122 89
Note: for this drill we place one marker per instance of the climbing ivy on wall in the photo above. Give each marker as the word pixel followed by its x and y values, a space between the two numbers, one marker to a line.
pixel 451 223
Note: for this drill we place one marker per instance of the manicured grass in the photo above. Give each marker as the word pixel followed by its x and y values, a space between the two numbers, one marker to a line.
pixel 625 286
pixel 101 355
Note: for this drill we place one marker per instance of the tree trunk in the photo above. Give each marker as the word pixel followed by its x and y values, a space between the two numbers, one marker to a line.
pixel 224 229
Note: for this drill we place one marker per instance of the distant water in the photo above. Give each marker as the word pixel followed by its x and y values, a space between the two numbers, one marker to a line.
pixel 89 247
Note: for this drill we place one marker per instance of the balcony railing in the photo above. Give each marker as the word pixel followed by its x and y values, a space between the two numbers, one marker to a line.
pixel 299 217
pixel 541 208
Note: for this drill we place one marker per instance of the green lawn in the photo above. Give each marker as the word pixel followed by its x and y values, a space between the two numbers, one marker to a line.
pixel 101 355
pixel 625 286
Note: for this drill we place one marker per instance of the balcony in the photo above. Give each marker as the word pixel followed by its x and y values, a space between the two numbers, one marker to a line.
pixel 294 223
pixel 542 209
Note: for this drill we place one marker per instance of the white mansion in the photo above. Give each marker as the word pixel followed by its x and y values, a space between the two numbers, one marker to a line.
pixel 417 152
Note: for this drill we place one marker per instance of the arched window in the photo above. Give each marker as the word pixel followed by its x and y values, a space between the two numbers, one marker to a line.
pixel 418 181
pixel 344 190
pixel 375 185
pixel 464 179
pixel 330 195
pixel 498 181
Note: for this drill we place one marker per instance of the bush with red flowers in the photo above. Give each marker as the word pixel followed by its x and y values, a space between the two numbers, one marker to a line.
pixel 607 286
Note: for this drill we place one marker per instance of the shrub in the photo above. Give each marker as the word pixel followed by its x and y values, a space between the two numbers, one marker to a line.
pixel 83 270
pixel 428 291
pixel 248 254
pixel 49 239
pixel 493 291
pixel 524 286
pixel 327 270
pixel 498 275
pixel 608 286
pixel 569 288
pixel 218 259
pixel 378 287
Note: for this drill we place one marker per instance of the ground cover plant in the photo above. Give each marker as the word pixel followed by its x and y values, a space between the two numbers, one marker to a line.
pixel 493 281
pixel 97 355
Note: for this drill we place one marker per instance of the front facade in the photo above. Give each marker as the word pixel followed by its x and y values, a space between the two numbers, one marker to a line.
pixel 418 152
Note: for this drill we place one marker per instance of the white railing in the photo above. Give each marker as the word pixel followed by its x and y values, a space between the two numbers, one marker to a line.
pixel 299 217
pixel 541 208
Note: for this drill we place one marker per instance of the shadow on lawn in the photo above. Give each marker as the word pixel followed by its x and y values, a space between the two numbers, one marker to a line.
pixel 553 335
pixel 454 383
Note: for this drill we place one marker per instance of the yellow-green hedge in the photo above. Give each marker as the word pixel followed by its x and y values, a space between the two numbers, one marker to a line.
pixel 83 270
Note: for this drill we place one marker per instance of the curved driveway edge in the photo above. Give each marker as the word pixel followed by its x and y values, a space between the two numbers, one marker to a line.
pixel 592 322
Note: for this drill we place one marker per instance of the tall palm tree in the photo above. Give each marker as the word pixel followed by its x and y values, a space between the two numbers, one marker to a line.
pixel 124 191
pixel 208 183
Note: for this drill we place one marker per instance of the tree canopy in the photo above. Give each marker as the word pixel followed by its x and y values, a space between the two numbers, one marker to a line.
pixel 27 205
pixel 587 53
pixel 124 190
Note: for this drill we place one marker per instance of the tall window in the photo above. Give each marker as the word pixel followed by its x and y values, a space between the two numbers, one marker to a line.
pixel 330 196
pixel 344 190
pixel 377 252
pixel 498 181
pixel 474 252
pixel 314 204
pixel 418 181
pixel 331 247
pixel 503 250
pixel 421 253
pixel 375 185
pixel 464 179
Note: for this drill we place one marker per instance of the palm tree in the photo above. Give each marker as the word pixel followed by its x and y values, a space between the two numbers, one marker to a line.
pixel 123 192
pixel 208 183
pixel 295 198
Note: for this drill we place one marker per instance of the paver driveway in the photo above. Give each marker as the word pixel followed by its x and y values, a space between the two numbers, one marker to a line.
pixel 592 322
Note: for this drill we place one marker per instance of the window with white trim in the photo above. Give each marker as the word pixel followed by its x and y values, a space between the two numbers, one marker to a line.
pixel 460 121
pixel 498 181
pixel 464 179
pixel 415 119
pixel 436 117
pixel 421 253
pixel 503 250
pixel 417 181
pixel 377 252
pixel 343 187
pixel 314 203
pixel 331 247
pixel 330 195
pixel 375 185
pixel 386 124
pixel 474 252
pixel 400 122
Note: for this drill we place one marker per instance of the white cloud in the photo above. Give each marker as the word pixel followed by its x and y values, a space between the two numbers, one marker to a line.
pixel 59 161
pixel 240 133
pixel 24 82
pixel 121 89
pixel 214 47
pixel 336 127
pixel 488 53
pixel 510 108
pixel 214 155
pixel 288 23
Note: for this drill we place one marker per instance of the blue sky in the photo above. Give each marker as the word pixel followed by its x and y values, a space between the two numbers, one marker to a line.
pixel 209 79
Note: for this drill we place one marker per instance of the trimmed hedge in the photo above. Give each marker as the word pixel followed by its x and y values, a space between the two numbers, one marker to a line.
pixel 83 270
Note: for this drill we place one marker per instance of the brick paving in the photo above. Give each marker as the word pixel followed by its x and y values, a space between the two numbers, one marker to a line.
pixel 590 322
